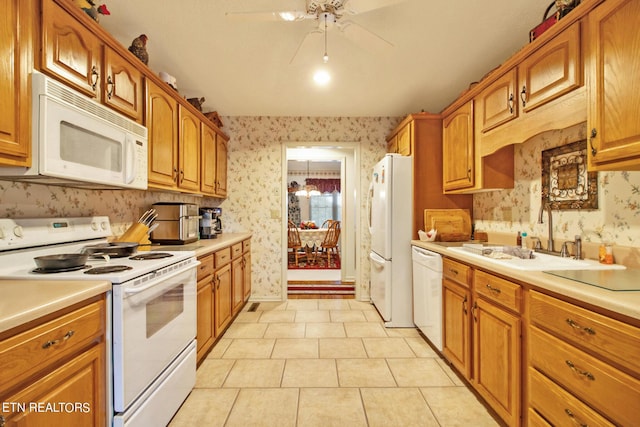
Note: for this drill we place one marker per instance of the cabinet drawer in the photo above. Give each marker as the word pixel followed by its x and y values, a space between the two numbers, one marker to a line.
pixel 223 257
pixel 502 291
pixel 615 340
pixel 557 405
pixel 206 266
pixel 246 245
pixel 236 250
pixel 29 352
pixel 535 420
pixel 456 271
pixel 604 388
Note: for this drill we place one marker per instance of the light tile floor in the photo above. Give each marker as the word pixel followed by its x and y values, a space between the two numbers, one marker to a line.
pixel 325 363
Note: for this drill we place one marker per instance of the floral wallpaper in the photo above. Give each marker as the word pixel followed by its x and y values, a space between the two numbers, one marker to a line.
pixel 254 188
pixel 616 220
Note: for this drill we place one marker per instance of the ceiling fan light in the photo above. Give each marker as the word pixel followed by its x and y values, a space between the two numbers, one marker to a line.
pixel 288 16
pixel 325 58
pixel 322 77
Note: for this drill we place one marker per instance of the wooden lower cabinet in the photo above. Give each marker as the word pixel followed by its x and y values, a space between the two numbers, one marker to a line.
pixel 237 272
pixel 246 268
pixel 482 335
pixel 497 359
pixel 57 370
pixel 223 295
pixel 589 359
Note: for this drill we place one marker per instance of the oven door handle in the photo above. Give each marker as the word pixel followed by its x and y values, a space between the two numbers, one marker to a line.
pixel 154 282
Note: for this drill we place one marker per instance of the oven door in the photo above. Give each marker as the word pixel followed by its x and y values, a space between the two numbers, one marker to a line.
pixel 153 322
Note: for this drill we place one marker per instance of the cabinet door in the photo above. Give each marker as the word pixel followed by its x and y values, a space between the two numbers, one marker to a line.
pixel 122 85
pixel 497 103
pixel 189 147
pixel 80 381
pixel 496 359
pixel 392 144
pixel 205 310
pixel 207 160
pixel 237 294
pixel 458 149
pixel 70 51
pixel 162 123
pixel 15 27
pixel 552 71
pixel 613 71
pixel 457 339
pixel 246 267
pixel 221 166
pixel 223 292
pixel 404 140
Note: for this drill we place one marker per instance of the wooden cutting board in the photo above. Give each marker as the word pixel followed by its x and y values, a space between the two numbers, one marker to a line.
pixel 453 225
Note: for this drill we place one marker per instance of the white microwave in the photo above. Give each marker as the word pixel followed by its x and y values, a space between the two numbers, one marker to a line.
pixel 79 142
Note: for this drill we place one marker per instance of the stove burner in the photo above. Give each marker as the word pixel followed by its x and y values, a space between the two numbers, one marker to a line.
pixel 151 255
pixel 108 269
pixel 41 270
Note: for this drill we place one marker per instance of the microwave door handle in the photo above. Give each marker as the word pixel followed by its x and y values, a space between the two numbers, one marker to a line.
pixel 130 161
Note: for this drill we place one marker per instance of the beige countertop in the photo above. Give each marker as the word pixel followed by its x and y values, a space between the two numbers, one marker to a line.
pixel 206 246
pixel 626 303
pixel 22 301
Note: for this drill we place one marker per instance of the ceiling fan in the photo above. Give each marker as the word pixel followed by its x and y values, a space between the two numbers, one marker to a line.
pixel 328 14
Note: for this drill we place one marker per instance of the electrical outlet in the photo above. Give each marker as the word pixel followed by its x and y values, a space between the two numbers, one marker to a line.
pixel 275 214
pixel 507 214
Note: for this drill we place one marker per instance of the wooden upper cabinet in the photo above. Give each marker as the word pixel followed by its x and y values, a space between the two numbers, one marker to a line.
pixel 458 169
pixel 15 100
pixel 207 160
pixel 497 103
pixel 74 55
pixel 189 150
pixel 401 141
pixel 70 51
pixel 162 123
pixel 221 165
pixel 122 85
pixel 551 71
pixel 613 70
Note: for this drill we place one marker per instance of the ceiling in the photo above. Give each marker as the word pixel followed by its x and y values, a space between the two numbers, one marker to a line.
pixel 242 68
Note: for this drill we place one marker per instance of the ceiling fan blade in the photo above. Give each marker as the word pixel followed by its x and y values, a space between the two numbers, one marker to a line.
pixel 354 7
pixel 309 39
pixel 283 15
pixel 363 37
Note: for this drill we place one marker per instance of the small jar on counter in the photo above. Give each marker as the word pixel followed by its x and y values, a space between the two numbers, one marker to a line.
pixel 605 253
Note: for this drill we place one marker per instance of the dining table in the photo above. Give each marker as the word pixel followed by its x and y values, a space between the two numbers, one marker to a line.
pixel 312 237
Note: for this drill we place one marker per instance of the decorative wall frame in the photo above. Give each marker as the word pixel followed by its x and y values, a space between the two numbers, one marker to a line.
pixel 566 183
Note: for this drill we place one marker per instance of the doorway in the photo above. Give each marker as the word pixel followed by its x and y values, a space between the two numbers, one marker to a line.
pixel 332 171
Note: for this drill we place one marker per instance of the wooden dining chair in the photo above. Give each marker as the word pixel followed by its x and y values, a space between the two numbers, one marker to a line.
pixel 327 223
pixel 330 242
pixel 294 243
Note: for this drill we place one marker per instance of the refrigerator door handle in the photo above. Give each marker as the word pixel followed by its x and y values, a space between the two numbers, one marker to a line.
pixel 376 259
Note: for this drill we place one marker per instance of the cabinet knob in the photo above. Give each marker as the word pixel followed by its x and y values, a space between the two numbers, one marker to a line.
pixel 110 87
pixel 94 77
pixel 523 96
pixel 511 103
pixel 594 132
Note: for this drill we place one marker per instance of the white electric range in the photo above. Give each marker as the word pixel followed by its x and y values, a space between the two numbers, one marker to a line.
pixel 153 317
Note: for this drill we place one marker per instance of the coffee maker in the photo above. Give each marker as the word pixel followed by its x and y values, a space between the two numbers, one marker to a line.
pixel 210 222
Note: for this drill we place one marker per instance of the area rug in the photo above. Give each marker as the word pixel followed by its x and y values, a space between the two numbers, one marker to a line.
pixel 316 264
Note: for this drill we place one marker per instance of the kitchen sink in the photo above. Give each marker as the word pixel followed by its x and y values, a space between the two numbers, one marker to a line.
pixel 539 262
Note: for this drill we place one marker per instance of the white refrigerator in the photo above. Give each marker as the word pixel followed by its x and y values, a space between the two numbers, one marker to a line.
pixel 390 224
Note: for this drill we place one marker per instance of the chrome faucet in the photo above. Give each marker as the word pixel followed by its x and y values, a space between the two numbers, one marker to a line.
pixel 547 206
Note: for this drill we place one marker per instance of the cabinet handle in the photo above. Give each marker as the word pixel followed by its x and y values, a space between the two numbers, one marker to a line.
pixel 575 325
pixel 523 96
pixel 464 305
pixel 511 103
pixel 66 336
pixel 453 271
pixel 2 421
pixel 94 78
pixel 575 419
pixel 181 176
pixel 473 310
pixel 110 86
pixel 494 290
pixel 586 374
pixel 174 175
pixel 594 132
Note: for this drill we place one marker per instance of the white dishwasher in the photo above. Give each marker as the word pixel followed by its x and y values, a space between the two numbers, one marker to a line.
pixel 427 294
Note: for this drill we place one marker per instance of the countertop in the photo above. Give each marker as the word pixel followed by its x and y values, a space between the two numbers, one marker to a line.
pixel 22 301
pixel 626 303
pixel 206 246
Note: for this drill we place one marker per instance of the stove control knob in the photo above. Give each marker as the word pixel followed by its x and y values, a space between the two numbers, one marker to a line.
pixel 1 234
pixel 17 231
pixel 94 226
pixel 103 225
